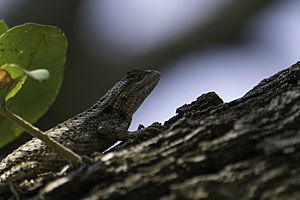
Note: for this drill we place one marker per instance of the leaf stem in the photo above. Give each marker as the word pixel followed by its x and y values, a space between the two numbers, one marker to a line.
pixel 67 153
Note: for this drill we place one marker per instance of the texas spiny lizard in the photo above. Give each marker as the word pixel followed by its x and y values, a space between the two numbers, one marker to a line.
pixel 94 130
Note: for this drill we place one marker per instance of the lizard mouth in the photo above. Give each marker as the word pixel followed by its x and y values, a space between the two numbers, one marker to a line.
pixel 146 80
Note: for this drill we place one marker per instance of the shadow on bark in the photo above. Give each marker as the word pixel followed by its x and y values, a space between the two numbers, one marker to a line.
pixel 245 149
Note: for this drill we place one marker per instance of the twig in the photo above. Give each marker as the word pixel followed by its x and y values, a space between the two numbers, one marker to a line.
pixel 68 154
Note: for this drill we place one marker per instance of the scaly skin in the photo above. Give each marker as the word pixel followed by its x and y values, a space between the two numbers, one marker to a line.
pixel 94 130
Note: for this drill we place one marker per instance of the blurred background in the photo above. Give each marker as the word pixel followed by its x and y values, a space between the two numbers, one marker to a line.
pixel 226 46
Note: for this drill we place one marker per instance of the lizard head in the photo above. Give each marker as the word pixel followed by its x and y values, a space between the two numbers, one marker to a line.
pixel 133 90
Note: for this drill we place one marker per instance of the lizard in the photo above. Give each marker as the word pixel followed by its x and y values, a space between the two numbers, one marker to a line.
pixel 93 130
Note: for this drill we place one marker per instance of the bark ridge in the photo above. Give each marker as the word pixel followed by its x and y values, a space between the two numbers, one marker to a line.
pixel 245 149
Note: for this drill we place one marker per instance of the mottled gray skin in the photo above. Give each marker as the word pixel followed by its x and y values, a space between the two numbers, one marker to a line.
pixel 94 130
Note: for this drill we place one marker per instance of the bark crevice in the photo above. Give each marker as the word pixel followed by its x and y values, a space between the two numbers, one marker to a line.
pixel 245 149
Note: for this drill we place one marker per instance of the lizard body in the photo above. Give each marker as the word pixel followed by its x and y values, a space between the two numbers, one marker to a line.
pixel 94 130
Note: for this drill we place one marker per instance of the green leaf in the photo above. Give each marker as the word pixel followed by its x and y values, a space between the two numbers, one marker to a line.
pixel 14 70
pixel 3 27
pixel 12 80
pixel 16 87
pixel 32 46
pixel 18 76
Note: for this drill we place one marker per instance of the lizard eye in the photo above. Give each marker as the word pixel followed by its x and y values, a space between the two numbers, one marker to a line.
pixel 136 75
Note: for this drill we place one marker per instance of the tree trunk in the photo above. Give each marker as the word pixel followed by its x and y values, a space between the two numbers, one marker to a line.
pixel 245 149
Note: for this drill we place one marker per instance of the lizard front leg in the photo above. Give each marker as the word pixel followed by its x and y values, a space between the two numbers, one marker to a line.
pixel 114 133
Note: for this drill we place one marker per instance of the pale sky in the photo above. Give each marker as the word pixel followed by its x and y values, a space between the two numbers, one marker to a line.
pixel 129 28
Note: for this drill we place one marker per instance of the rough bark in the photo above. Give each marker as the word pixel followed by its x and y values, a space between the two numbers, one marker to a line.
pixel 245 149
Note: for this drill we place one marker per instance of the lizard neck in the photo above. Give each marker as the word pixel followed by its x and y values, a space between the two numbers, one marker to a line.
pixel 118 105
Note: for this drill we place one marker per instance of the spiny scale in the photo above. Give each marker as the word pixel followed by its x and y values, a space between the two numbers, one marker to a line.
pixel 94 130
